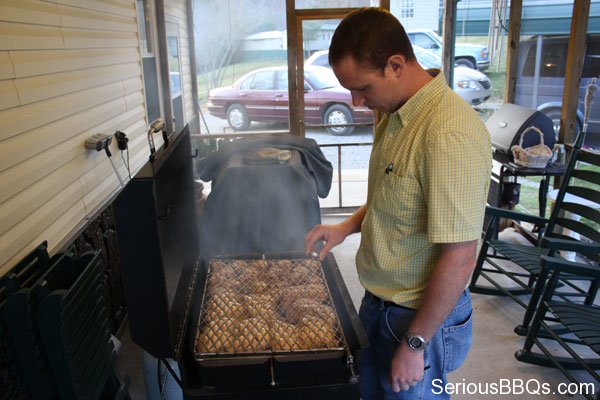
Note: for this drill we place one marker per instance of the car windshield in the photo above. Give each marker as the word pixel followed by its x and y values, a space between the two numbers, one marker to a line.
pixel 426 59
pixel 321 78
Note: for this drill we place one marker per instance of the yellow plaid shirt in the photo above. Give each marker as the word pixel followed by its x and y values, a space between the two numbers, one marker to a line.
pixel 428 182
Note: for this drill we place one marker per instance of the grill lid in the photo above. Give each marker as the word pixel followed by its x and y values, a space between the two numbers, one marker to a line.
pixel 158 244
pixel 507 124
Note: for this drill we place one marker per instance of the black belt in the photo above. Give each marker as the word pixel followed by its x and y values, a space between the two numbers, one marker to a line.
pixel 385 303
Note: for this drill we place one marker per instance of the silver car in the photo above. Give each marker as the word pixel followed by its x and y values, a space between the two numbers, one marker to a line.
pixel 472 85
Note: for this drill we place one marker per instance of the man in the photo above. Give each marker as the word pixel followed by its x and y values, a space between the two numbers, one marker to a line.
pixel 428 180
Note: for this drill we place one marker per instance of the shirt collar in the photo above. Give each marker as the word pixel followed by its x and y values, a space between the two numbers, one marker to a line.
pixel 422 98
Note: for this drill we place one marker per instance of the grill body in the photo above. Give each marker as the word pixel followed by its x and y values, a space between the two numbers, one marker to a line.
pixel 165 269
pixel 303 375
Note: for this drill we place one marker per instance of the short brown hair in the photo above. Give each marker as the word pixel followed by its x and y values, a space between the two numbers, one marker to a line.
pixel 371 35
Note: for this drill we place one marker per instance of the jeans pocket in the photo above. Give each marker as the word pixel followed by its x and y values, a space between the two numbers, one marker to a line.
pixel 395 322
pixel 457 337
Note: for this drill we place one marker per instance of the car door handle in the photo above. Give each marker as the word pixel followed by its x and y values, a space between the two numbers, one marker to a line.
pixel 278 95
pixel 243 95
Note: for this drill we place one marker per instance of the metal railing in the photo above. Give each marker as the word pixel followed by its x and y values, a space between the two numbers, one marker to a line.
pixel 341 208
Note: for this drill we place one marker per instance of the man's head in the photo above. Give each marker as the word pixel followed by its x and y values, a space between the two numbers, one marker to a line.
pixel 372 57
pixel 371 36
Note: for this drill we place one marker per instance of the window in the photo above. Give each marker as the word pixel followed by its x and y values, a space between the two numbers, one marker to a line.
pixel 553 60
pixel 282 80
pixel 407 9
pixel 591 65
pixel 245 84
pixel 262 81
pixel 149 63
pixel 143 11
pixel 421 40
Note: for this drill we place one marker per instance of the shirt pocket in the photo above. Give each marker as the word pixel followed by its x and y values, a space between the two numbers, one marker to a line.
pixel 398 200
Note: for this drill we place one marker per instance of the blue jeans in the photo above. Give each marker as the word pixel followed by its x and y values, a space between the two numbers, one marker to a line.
pixel 386 325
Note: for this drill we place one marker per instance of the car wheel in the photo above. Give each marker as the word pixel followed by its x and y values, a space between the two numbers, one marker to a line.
pixel 465 62
pixel 338 115
pixel 237 117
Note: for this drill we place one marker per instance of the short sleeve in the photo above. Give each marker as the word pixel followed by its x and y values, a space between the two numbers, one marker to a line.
pixel 456 174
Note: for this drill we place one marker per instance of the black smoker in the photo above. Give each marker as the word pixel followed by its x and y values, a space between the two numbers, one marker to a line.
pixel 165 261
pixel 506 126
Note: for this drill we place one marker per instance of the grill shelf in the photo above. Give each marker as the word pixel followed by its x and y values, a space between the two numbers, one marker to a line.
pixel 256 309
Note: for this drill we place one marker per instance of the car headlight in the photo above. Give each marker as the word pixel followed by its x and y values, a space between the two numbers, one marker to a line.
pixel 467 84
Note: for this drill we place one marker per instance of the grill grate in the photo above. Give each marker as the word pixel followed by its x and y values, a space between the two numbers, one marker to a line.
pixel 486 83
pixel 266 306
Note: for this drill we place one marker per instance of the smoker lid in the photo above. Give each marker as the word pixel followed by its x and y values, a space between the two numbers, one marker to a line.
pixel 508 122
pixel 158 243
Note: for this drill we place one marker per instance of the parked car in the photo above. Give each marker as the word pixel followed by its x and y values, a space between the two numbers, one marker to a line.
pixel 465 54
pixel 473 86
pixel 262 96
pixel 542 88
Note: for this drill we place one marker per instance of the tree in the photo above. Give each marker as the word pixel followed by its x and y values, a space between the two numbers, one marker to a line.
pixel 219 28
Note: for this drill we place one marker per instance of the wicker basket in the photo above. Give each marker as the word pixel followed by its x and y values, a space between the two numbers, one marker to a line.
pixel 532 157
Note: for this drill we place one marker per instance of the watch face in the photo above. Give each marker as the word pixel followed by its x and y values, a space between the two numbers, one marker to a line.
pixel 415 342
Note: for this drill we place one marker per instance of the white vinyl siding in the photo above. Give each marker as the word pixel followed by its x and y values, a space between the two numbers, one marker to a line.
pixel 68 69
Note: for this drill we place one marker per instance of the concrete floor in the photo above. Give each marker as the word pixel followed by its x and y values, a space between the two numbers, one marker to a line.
pixel 490 362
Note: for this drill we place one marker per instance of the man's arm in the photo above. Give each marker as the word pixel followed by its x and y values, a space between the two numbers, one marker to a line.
pixel 334 234
pixel 446 284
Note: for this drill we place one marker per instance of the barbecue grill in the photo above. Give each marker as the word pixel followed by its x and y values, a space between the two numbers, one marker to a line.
pixel 508 123
pixel 243 325
pixel 506 126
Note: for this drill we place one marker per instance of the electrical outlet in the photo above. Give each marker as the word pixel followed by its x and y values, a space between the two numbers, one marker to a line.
pixel 99 141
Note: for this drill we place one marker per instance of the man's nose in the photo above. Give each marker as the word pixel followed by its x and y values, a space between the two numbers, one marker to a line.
pixel 357 99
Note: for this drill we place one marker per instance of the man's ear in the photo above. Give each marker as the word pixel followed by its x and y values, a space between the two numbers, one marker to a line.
pixel 397 62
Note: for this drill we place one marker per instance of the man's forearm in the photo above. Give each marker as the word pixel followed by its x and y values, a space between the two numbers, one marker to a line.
pixel 447 282
pixel 354 222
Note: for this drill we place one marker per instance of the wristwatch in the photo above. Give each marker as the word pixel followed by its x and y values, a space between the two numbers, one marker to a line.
pixel 415 341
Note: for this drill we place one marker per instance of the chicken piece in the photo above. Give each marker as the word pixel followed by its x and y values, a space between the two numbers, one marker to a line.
pixel 284 337
pixel 253 335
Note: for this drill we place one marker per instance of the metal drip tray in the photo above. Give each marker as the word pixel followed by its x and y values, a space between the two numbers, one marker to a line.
pixel 256 309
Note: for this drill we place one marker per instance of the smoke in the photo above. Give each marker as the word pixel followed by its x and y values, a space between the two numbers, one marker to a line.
pixel 259 208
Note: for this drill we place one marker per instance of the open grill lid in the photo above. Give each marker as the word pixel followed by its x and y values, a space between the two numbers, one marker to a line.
pixel 155 218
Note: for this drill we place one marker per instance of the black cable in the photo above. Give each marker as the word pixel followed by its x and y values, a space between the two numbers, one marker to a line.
pixel 126 162
pixel 173 373
pixel 160 389
pixel 122 140
pixel 162 383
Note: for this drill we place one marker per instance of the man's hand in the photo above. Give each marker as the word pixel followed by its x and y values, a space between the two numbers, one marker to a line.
pixel 407 368
pixel 331 234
